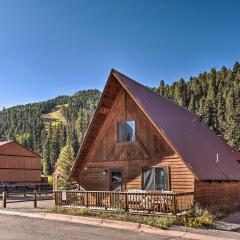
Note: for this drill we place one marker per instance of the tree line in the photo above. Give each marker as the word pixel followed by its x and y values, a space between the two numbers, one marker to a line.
pixel 215 96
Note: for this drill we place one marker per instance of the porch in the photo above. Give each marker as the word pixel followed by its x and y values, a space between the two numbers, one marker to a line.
pixel 141 201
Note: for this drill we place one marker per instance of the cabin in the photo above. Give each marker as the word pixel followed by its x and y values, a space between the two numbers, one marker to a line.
pixel 18 165
pixel 141 141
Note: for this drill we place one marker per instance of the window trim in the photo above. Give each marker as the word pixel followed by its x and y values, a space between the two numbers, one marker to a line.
pixel 135 132
pixel 167 169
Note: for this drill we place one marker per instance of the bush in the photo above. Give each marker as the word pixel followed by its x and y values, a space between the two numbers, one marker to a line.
pixel 199 222
pixel 198 218
pixel 50 180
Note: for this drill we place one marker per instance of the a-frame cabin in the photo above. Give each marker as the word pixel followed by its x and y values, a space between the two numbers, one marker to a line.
pixel 139 139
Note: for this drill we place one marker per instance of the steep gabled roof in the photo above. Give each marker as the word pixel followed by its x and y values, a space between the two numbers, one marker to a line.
pixel 203 152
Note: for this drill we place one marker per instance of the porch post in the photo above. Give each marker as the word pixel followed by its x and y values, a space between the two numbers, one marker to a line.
pixel 126 202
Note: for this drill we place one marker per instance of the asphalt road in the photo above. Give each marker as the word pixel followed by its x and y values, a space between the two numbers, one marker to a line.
pixel 16 228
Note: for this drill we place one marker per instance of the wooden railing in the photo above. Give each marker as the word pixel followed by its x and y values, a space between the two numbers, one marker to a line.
pixel 19 197
pixel 151 202
pixel 25 188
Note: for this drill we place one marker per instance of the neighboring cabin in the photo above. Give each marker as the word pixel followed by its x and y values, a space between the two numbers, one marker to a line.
pixel 139 139
pixel 18 164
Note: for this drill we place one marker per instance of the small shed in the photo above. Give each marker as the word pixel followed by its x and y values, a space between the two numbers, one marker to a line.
pixel 18 164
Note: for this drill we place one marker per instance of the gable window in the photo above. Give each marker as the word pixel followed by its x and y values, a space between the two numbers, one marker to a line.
pixel 155 179
pixel 126 131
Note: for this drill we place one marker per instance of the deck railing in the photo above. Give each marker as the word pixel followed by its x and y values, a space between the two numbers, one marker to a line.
pixel 151 202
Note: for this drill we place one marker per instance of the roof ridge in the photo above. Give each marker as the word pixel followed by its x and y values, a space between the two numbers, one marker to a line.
pixel 158 94
pixel 22 146
pixel 5 142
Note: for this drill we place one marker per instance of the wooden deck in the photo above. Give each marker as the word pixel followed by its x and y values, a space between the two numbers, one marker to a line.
pixel 150 202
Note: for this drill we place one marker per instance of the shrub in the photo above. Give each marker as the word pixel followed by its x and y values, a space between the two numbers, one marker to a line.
pixel 50 180
pixel 199 222
pixel 198 218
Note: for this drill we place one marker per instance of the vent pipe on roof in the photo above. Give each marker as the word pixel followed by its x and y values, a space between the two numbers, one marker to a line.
pixel 217 159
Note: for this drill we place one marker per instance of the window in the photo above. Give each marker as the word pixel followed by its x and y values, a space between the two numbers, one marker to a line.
pixel 126 131
pixel 116 179
pixel 155 179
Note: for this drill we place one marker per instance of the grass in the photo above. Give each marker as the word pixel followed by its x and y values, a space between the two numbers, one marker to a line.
pixel 155 221
pixel 54 118
pixel 197 217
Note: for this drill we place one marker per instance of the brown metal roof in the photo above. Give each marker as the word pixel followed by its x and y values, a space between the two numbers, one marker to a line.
pixel 235 153
pixel 12 141
pixel 202 150
pixel 204 153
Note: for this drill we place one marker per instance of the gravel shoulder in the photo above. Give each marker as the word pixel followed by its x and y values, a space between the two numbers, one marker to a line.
pixel 229 223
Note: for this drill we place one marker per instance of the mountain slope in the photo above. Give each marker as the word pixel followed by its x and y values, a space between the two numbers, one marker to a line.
pixel 49 123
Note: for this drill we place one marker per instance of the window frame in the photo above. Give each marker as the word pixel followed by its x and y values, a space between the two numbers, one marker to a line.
pixel 166 168
pixel 135 131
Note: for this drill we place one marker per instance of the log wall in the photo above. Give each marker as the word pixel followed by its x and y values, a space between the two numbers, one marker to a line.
pixel 217 195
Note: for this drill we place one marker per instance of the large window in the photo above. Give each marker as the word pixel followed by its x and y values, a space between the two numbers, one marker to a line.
pixel 126 131
pixel 155 179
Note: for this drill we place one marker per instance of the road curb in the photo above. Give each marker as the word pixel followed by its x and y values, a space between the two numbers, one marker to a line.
pixel 114 224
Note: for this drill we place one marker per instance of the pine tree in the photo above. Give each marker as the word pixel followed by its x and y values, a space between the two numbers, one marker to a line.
pixel 64 165
pixel 180 93
pixel 81 124
pixel 162 88
pixel 47 166
pixel 221 121
pixel 62 136
pixel 54 144
pixel 75 142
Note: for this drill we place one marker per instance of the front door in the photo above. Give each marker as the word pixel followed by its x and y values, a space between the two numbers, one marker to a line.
pixel 115 179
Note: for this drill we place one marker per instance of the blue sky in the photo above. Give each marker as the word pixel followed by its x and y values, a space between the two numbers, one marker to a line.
pixel 53 47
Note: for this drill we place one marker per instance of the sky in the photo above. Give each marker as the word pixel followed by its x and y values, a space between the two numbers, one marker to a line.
pixel 55 47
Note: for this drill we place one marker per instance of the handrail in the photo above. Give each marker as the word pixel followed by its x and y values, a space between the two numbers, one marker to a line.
pixel 17 197
pixel 125 192
pixel 170 202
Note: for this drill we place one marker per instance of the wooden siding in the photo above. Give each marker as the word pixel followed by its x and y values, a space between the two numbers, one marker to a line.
pixel 17 164
pixel 217 195
pixel 20 175
pixel 150 149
